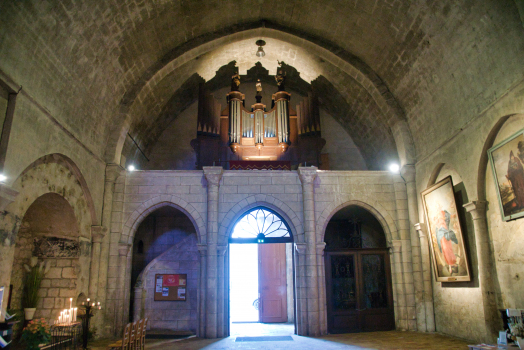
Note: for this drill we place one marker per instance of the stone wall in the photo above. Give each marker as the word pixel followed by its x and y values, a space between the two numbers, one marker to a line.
pixel 183 258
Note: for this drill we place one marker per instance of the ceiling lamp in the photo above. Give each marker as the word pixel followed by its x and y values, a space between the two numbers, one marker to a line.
pixel 260 51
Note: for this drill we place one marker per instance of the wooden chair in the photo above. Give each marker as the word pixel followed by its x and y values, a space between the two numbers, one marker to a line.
pixel 124 343
pixel 144 327
pixel 138 335
pixel 132 336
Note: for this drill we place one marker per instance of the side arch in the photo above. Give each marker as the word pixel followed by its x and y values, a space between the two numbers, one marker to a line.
pixel 380 213
pixel 261 200
pixel 146 208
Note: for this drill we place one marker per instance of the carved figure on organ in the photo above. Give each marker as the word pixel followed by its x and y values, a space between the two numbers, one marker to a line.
pixel 235 82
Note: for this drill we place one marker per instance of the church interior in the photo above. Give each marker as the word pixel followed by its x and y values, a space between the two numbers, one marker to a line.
pixel 214 168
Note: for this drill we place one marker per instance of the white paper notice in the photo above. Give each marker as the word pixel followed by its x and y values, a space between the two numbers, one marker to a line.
pixel 158 289
pixel 181 293
pixel 165 291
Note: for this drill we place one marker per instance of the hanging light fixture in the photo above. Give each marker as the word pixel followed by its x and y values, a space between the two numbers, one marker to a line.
pixel 260 51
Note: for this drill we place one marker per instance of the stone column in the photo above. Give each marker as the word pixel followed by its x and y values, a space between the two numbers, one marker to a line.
pixel 9 226
pixel 321 271
pixel 123 251
pixel 202 249
pixel 97 235
pixel 137 305
pixel 398 284
pixel 221 326
pixel 408 174
pixel 307 177
pixel 426 275
pixel 492 320
pixel 301 295
pixel 213 176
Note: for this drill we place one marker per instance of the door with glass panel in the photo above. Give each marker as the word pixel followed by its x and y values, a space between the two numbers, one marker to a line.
pixel 358 288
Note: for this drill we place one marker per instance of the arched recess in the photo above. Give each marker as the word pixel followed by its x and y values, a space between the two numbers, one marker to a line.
pixel 198 47
pixel 261 200
pixel 504 236
pixel 170 247
pixel 380 213
pixel 146 208
pixel 50 232
pixel 454 294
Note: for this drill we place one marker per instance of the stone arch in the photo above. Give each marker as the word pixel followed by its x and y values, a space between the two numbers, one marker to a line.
pixel 261 200
pixel 146 208
pixel 338 57
pixel 380 213
pixel 55 173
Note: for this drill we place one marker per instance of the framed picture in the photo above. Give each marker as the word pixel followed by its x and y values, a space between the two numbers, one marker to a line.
pixel 446 241
pixel 507 159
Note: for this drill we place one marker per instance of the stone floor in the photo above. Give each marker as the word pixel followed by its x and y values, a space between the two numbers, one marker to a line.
pixel 371 340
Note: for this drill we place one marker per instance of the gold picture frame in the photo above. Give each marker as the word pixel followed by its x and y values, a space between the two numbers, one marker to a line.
pixel 446 241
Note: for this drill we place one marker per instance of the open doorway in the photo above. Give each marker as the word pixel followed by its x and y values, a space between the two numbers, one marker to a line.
pixel 261 276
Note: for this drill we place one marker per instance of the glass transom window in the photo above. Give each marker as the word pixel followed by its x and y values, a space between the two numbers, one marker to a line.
pixel 261 225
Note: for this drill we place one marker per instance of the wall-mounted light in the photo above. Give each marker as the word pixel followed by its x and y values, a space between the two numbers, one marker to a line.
pixel 3 177
pixel 394 168
pixel 260 51
pixel 131 167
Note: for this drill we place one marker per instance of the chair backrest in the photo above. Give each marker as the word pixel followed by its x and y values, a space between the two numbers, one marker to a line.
pixel 126 336
pixel 138 334
pixel 144 327
pixel 132 335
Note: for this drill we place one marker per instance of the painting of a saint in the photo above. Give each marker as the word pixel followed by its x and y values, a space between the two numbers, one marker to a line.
pixel 445 235
pixel 507 160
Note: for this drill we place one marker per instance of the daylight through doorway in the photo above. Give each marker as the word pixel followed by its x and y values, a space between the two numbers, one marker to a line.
pixel 243 282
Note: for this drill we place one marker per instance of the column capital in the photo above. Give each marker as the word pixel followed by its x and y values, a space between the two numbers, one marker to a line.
pixel 123 249
pixel 7 196
pixel 113 171
pixel 421 228
pixel 300 248
pixel 476 208
pixel 221 249
pixel 320 247
pixel 307 174
pixel 408 172
pixel 396 245
pixel 98 233
pixel 213 174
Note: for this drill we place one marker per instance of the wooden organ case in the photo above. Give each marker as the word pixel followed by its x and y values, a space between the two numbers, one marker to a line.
pixel 257 134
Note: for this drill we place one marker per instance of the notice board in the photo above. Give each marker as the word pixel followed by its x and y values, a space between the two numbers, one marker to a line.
pixel 170 287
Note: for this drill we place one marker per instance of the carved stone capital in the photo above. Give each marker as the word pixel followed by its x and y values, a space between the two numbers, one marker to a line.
pixel 213 174
pixel 320 248
pixel 7 196
pixel 221 249
pixel 396 245
pixel 300 248
pixel 307 174
pixel 113 171
pixel 408 172
pixel 476 208
pixel 98 233
pixel 421 229
pixel 202 249
pixel 123 249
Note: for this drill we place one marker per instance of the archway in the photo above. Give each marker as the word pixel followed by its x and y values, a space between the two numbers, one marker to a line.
pixel 261 275
pixel 359 293
pixel 50 232
pixel 165 250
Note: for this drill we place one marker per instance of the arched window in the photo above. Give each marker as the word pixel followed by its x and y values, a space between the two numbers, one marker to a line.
pixel 261 225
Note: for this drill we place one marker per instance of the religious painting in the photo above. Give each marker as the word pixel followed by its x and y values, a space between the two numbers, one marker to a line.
pixel 445 236
pixel 507 160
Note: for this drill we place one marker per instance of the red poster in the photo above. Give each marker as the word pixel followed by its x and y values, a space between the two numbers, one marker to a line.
pixel 170 281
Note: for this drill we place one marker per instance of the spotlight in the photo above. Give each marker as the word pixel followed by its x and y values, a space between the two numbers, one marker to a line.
pixel 131 167
pixel 394 168
pixel 3 177
pixel 260 51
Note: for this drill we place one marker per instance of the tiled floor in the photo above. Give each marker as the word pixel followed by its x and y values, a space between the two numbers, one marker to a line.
pixel 372 340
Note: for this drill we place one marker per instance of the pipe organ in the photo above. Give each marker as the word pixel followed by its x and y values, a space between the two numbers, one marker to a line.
pixel 258 134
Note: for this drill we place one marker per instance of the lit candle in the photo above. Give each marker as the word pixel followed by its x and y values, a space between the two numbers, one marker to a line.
pixel 74 314
pixel 88 299
pixel 70 303
pixel 93 304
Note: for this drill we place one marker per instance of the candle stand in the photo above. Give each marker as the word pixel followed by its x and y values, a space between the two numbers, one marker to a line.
pixel 86 311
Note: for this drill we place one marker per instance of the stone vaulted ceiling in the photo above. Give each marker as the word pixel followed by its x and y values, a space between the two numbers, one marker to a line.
pixel 108 67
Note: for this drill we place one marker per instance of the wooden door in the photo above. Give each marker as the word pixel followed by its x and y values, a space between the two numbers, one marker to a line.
pixel 272 285
pixel 359 294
